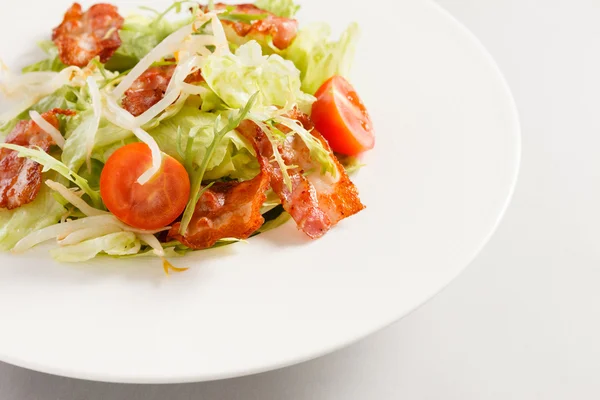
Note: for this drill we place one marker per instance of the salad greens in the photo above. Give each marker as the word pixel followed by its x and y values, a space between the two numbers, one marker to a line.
pixel 281 8
pixel 142 33
pixel 197 173
pixel 251 80
pixel 235 77
pixel 50 163
pixel 15 224
pixel 52 63
pixel 318 58
pixel 113 244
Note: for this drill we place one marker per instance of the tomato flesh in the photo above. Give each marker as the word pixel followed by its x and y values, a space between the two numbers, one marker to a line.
pixel 342 118
pixel 153 205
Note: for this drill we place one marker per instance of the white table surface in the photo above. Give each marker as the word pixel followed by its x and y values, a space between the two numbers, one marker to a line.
pixel 523 322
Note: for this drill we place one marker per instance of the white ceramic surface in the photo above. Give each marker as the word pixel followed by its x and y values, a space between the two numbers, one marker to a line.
pixel 436 186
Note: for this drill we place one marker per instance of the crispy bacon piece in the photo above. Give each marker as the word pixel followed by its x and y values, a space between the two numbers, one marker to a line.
pixel 282 30
pixel 21 178
pixel 84 35
pixel 150 88
pixel 226 210
pixel 316 202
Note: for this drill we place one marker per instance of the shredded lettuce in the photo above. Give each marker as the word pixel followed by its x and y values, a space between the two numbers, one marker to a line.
pixel 281 8
pixel 319 58
pixel 114 244
pixel 18 223
pixel 236 77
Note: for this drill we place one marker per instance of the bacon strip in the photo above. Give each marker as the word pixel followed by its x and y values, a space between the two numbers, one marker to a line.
pixel 282 30
pixel 316 202
pixel 226 210
pixel 21 178
pixel 150 88
pixel 84 35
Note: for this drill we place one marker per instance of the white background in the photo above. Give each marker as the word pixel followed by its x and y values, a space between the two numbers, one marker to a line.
pixel 523 322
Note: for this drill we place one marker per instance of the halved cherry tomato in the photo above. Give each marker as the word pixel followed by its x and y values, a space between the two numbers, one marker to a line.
pixel 153 205
pixel 342 118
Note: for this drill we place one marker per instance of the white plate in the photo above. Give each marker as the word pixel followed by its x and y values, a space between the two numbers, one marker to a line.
pixel 436 187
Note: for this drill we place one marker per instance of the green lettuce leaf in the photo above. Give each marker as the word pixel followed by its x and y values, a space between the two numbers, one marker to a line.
pixel 198 172
pixel 18 223
pixel 50 163
pixel 107 136
pixel 52 63
pixel 236 77
pixel 114 244
pixel 233 157
pixel 140 34
pixel 318 58
pixel 65 98
pixel 281 8
pixel 274 219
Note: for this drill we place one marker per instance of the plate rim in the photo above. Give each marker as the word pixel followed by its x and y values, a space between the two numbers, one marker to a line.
pixel 183 378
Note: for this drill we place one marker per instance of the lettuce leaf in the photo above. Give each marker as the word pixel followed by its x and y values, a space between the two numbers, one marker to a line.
pixel 236 77
pixel 74 152
pixel 52 63
pixel 198 173
pixel 281 8
pixel 318 58
pixel 140 34
pixel 233 157
pixel 273 219
pixel 18 223
pixel 114 244
pixel 50 163
pixel 65 98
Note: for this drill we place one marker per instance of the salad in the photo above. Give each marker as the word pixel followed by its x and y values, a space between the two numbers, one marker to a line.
pixel 167 132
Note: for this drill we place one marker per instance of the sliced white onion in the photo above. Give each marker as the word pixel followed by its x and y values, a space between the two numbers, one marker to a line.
pixel 119 116
pixel 34 78
pixel 184 68
pixel 88 233
pixel 168 46
pixel 14 84
pixel 60 230
pixel 203 51
pixel 32 87
pixel 172 93
pixel 17 109
pixel 198 42
pixel 97 109
pixel 153 242
pixel 122 118
pixel 48 128
pixel 193 89
pixel 169 98
pixel 74 199
pixel 156 155
pixel 222 45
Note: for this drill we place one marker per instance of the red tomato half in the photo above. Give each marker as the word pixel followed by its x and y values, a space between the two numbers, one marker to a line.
pixel 342 118
pixel 153 205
